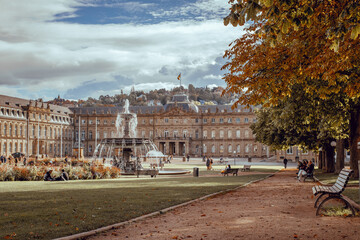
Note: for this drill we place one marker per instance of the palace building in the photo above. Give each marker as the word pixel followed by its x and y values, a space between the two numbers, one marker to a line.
pixel 34 128
pixel 178 128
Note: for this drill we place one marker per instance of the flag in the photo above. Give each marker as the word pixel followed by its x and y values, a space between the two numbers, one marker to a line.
pixel 179 77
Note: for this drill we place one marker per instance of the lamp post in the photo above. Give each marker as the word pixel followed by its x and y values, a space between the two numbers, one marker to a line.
pixel 234 157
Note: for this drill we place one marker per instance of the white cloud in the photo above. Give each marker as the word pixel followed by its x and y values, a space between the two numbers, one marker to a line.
pixel 38 54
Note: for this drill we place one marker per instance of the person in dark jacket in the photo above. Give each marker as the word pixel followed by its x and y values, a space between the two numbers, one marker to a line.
pixel 48 176
pixel 285 162
pixel 307 170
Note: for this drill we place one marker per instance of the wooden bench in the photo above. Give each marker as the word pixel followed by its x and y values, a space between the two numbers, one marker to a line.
pixel 309 176
pixel 334 191
pixel 234 171
pixel 246 168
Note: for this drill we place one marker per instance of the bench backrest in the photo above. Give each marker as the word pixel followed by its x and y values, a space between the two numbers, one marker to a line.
pixel 342 179
pixel 247 166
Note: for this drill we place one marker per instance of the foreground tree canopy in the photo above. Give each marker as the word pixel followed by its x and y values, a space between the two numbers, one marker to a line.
pixel 310 44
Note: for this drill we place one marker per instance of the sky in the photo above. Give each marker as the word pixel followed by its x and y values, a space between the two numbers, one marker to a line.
pixel 87 48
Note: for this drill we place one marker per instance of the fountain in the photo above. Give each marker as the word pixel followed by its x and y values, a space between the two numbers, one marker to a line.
pixel 127 150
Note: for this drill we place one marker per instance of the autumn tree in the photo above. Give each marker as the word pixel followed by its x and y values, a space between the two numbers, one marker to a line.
pixel 304 120
pixel 311 43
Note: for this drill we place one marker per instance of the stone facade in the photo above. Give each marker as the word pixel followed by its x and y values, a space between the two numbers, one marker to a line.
pixel 34 128
pixel 292 154
pixel 179 128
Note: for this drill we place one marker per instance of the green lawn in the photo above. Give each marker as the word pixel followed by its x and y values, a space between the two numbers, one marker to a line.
pixel 330 178
pixel 352 193
pixel 45 210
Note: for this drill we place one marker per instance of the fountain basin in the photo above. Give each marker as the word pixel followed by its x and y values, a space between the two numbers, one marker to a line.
pixel 173 171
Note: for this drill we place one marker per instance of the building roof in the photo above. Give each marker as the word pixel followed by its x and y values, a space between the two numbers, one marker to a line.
pixel 20 103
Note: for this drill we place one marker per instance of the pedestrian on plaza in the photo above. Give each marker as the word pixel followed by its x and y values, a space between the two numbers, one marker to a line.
pixel 208 163
pixel 24 162
pixel 211 163
pixel 285 162
pixel 188 157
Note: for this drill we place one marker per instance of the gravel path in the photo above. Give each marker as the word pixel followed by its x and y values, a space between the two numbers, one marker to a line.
pixel 276 208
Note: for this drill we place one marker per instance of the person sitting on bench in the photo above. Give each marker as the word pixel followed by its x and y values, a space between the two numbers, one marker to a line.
pixel 48 176
pixel 303 172
pixel 227 168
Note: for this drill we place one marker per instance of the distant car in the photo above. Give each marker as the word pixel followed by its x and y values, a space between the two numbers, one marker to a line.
pixel 18 155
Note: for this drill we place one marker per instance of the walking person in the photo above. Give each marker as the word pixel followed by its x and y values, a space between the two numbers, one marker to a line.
pixel 208 164
pixel 285 163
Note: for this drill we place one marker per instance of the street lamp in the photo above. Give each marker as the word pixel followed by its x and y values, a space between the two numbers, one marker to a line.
pixel 234 157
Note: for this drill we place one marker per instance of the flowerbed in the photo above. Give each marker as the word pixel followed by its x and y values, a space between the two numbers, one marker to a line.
pixel 36 173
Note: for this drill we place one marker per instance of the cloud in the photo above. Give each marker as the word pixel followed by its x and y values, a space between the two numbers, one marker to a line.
pixel 44 56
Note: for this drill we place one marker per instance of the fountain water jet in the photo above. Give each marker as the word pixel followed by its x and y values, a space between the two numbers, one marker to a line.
pixel 126 149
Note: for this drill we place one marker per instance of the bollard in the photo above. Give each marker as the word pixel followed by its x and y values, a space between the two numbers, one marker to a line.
pixel 196 172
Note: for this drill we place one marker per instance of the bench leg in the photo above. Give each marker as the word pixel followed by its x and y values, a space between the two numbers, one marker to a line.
pixel 318 198
pixel 347 204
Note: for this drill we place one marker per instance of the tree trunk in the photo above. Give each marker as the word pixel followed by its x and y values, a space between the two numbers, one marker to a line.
pixel 339 155
pixel 354 138
pixel 320 162
pixel 323 160
pixel 329 158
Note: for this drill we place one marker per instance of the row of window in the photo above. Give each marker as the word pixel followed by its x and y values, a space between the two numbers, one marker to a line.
pixel 54 118
pixel 229 149
pixel 20 131
pixel 53 132
pixel 222 120
pixel 8 148
pixel 14 130
pixel 166 120
pixel 12 113
pixel 175 134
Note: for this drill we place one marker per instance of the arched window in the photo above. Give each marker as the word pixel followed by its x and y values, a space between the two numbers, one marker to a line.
pixel 213 148
pixel 247 148
pixel 221 148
